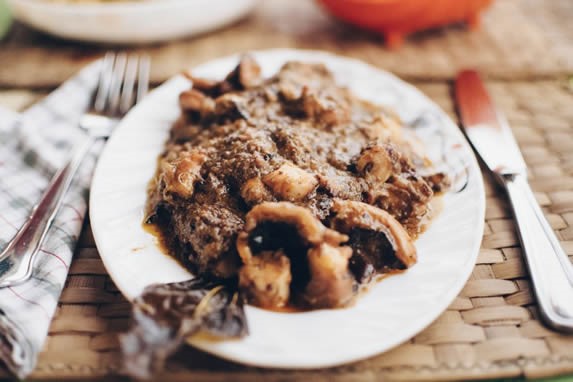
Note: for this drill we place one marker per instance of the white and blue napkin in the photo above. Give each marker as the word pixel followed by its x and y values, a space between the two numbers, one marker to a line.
pixel 33 145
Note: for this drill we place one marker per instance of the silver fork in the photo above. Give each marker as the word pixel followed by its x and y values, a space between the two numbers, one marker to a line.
pixel 120 76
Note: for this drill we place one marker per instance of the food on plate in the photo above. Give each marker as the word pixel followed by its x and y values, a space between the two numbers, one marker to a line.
pixel 291 187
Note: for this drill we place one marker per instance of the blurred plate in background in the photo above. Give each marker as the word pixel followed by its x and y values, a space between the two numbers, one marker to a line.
pixel 126 22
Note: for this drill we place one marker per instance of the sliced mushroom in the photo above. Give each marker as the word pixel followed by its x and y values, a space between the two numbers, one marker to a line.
pixel 265 280
pixel 230 107
pixel 310 230
pixel 405 194
pixel 385 128
pixel 204 85
pixel 195 106
pixel 379 242
pixel 179 176
pixel 331 283
pixel 324 109
pixel 405 197
pixel 290 182
pixel 254 191
pixel 289 91
pixel 301 101
pixel 375 163
pixel 191 100
pixel 248 72
pixel 318 264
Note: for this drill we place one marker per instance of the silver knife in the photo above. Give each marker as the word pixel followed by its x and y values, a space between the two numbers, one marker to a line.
pixel 490 135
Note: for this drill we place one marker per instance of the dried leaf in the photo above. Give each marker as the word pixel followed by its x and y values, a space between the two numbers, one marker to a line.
pixel 165 314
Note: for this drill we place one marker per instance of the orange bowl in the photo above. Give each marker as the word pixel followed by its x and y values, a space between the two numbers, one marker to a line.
pixel 396 18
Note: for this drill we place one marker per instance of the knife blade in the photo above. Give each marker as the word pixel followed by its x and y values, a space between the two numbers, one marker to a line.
pixel 490 135
pixel 486 128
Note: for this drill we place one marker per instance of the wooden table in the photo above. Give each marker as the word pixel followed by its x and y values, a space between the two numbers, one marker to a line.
pixel 525 49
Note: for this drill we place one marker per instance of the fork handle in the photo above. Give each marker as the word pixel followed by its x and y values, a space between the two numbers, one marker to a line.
pixel 549 266
pixel 16 261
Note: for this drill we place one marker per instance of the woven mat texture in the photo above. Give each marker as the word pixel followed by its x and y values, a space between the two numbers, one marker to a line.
pixel 490 330
pixel 518 39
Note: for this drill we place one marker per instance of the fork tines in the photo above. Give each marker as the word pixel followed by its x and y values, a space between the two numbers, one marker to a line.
pixel 120 76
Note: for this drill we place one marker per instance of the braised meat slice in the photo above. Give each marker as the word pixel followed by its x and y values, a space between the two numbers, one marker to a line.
pixel 280 234
pixel 201 237
pixel 207 234
pixel 379 242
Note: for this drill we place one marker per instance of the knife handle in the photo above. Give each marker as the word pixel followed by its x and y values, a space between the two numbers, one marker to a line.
pixel 550 269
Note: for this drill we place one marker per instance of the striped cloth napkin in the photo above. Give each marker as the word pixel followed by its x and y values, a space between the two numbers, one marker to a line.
pixel 32 146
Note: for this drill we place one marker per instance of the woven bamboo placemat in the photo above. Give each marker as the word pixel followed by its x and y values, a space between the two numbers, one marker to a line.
pixel 518 39
pixel 492 329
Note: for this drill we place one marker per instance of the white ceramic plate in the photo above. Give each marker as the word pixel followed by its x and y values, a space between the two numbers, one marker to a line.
pixel 129 22
pixel 394 309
